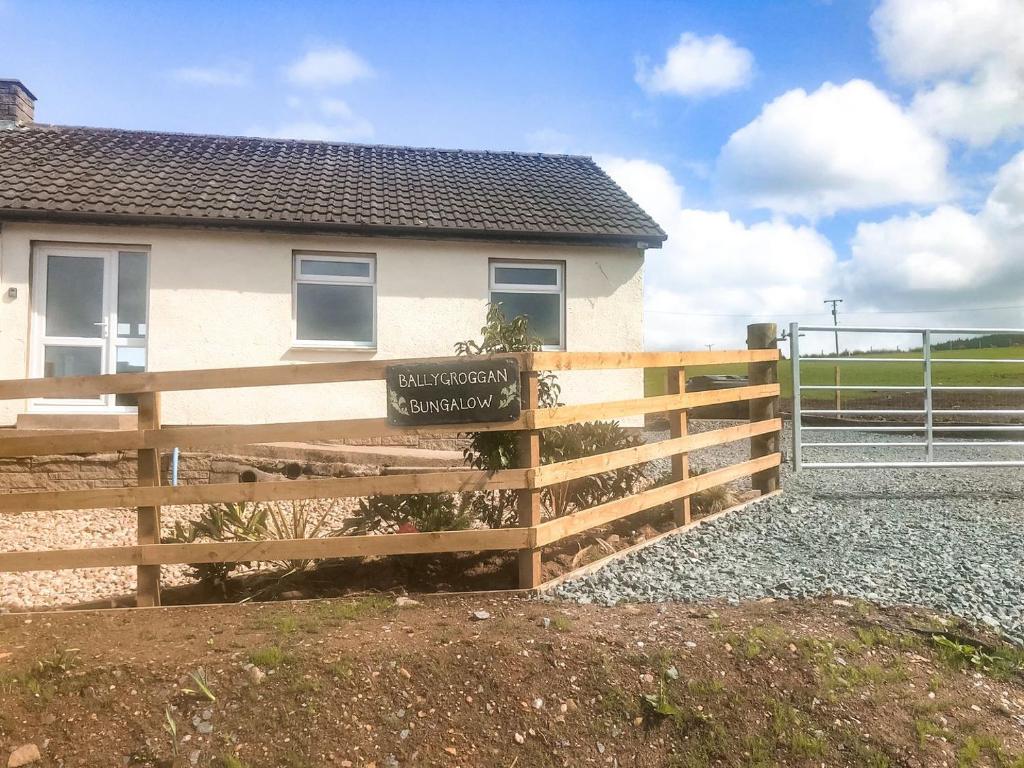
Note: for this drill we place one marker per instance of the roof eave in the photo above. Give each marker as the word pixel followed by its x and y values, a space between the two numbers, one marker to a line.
pixel 640 240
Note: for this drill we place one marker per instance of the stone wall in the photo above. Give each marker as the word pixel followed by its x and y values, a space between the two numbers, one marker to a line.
pixel 115 470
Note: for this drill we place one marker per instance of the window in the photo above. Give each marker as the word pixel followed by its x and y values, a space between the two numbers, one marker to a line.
pixel 534 289
pixel 335 300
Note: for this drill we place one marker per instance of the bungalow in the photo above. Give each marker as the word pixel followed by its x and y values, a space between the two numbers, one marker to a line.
pixel 124 250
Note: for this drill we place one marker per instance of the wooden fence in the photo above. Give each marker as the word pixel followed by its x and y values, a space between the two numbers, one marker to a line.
pixel 529 538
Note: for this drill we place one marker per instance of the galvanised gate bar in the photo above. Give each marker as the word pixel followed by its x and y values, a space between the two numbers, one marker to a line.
pixel 928 412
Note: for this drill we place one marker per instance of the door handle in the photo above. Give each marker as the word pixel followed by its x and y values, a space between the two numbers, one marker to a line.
pixel 103 324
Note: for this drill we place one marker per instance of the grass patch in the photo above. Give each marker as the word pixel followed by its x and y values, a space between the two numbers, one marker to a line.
pixel 268 657
pixel 371 606
pixel 925 729
pixel 877 374
pixel 561 623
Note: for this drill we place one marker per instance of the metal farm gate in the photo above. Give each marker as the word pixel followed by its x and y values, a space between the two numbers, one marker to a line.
pixel 930 421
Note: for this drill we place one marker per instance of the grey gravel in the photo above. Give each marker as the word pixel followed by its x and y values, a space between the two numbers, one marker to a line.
pixel 950 540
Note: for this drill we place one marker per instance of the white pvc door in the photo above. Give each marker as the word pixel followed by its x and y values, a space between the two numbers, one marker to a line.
pixel 89 317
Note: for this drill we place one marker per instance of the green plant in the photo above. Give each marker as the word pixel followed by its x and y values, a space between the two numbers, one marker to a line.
pixel 416 512
pixel 712 500
pixel 172 730
pixel 494 451
pixel 252 521
pixel 659 704
pixel 269 657
pixel 244 521
pixel 995 661
pixel 202 689
pixel 297 519
pixel 58 664
pixel 574 441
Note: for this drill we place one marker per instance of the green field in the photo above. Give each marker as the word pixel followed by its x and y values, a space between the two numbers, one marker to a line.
pixel 881 374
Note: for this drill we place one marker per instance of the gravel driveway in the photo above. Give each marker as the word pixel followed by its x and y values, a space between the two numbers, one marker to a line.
pixel 951 540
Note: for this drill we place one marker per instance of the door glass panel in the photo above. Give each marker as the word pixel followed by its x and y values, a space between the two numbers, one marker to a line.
pixel 72 361
pixel 129 360
pixel 74 297
pixel 131 295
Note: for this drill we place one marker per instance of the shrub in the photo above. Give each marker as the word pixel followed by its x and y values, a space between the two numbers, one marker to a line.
pixel 417 512
pixel 574 441
pixel 220 522
pixel 251 521
pixel 494 451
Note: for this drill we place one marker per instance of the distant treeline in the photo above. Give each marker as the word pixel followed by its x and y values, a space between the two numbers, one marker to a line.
pixel 991 341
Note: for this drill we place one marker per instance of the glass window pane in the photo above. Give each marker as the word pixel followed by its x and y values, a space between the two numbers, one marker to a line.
pixel 74 296
pixel 334 312
pixel 526 275
pixel 71 361
pixel 130 360
pixel 335 268
pixel 542 309
pixel 131 295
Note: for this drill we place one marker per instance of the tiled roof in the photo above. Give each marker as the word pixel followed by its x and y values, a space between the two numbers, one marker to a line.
pixel 91 173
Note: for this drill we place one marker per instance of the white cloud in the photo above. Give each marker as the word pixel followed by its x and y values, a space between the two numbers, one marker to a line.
pixel 717 274
pixel 950 258
pixel 328 119
pixel 967 59
pixel 698 66
pixel 714 265
pixel 325 67
pixel 228 76
pixel 840 147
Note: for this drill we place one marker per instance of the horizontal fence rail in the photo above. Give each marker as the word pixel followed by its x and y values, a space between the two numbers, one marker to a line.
pixel 927 361
pixel 527 480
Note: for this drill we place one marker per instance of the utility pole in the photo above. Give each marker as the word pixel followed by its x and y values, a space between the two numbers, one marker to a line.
pixel 709 346
pixel 835 321
pixel 835 317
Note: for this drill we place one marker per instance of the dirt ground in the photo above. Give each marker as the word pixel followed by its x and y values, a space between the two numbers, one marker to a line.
pixel 368 682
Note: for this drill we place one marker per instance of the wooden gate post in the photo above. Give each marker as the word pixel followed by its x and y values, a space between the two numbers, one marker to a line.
pixel 148 576
pixel 678 426
pixel 764 336
pixel 529 498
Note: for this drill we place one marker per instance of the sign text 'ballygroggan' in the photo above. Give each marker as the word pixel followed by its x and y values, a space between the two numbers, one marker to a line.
pixel 457 392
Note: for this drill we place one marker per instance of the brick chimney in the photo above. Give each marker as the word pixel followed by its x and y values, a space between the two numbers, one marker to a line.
pixel 17 104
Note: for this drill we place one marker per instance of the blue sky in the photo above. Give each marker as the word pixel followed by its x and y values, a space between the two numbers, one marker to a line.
pixel 723 169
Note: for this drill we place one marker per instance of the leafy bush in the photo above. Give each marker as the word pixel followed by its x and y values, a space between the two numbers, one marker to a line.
pixel 251 521
pixel 412 513
pixel 220 522
pixel 574 441
pixel 494 451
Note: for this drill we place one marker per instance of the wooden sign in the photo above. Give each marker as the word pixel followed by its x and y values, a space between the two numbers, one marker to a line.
pixel 459 392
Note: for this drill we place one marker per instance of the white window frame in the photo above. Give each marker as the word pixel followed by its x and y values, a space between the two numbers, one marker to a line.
pixel 108 343
pixel 558 288
pixel 299 278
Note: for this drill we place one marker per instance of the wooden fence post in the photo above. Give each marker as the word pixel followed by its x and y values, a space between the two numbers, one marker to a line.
pixel 148 576
pixel 764 336
pixel 529 498
pixel 678 426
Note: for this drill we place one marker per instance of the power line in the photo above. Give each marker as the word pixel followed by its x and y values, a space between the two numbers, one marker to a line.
pixel 828 314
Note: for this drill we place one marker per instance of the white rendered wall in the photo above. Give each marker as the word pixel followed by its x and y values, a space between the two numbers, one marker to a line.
pixel 222 299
